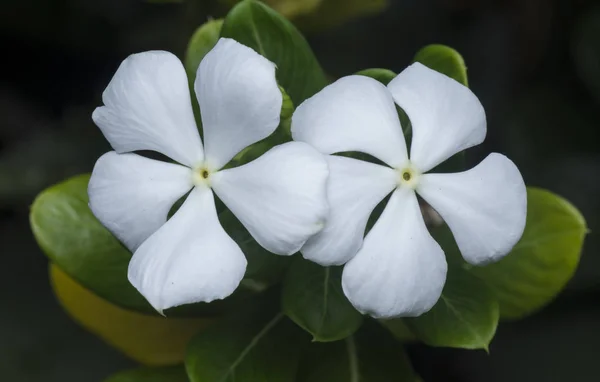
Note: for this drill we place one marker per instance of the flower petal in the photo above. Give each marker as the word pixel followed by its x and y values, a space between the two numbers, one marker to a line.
pixel 281 197
pixel 132 195
pixel 354 188
pixel 239 99
pixel 355 113
pixel 484 207
pixel 400 270
pixel 190 259
pixel 148 107
pixel 446 116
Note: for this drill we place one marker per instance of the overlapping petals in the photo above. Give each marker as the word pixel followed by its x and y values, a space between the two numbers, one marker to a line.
pixel 399 270
pixel 354 188
pixel 266 192
pixel 280 198
pixel 355 113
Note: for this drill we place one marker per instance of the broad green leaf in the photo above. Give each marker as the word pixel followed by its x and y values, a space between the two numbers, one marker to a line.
pixel 255 345
pixel 370 355
pixel 466 315
pixel 150 340
pixel 445 60
pixel 264 30
pixel 312 297
pixel 202 41
pixel 542 262
pixel 74 239
pixel 162 374
pixel 382 75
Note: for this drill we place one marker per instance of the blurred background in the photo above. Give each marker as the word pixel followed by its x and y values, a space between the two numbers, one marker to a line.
pixel 534 64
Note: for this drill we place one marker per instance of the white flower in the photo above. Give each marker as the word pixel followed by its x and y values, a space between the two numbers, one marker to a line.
pixel 280 197
pixel 399 270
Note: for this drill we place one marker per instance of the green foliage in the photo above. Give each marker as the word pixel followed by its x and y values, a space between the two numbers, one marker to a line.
pixel 202 41
pixel 257 344
pixel 368 356
pixel 382 75
pixel 445 60
pixel 264 30
pixel 148 374
pixel 74 239
pixel 313 298
pixel 542 262
pixel 465 316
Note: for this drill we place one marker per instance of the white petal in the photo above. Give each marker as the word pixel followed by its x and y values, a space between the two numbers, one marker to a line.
pixel 355 113
pixel 281 197
pixel 239 99
pixel 354 188
pixel 148 107
pixel 446 116
pixel 190 259
pixel 484 207
pixel 132 195
pixel 400 270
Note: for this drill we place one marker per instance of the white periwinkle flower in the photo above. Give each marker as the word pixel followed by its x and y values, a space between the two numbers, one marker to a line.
pixel 280 197
pixel 399 270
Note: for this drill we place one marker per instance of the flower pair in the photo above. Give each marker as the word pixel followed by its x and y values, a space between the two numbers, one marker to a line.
pixel 294 197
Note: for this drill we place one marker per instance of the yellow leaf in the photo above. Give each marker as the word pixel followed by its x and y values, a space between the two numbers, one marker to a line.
pixel 150 340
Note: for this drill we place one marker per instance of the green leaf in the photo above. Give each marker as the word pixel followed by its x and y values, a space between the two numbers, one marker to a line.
pixel 149 374
pixel 542 262
pixel 254 345
pixel 444 60
pixel 466 315
pixel 312 297
pixel 264 30
pixel 382 75
pixel 370 355
pixel 74 239
pixel 202 41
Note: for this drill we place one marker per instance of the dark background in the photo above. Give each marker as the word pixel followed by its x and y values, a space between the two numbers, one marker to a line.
pixel 535 65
